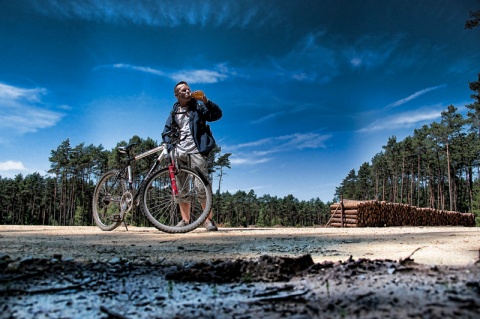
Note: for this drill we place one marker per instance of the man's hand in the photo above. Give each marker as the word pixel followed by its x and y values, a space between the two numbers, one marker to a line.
pixel 200 96
pixel 204 99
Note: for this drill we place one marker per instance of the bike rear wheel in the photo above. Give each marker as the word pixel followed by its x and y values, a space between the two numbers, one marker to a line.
pixel 162 208
pixel 107 200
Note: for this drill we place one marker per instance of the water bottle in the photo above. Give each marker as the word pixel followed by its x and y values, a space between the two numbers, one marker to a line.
pixel 198 95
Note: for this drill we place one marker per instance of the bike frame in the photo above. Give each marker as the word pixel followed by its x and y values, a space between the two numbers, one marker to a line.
pixel 163 154
pixel 172 167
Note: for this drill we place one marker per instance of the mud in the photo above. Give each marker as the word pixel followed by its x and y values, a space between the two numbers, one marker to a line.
pixel 79 272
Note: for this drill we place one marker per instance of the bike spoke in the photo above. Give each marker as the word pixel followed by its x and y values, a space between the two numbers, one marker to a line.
pixel 162 207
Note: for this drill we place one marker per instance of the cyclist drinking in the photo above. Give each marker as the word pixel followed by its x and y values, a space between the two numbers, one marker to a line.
pixel 189 120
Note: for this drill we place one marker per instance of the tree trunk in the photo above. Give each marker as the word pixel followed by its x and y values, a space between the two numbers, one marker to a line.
pixel 450 190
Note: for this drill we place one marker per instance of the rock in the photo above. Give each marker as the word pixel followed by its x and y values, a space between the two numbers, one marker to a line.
pixel 114 260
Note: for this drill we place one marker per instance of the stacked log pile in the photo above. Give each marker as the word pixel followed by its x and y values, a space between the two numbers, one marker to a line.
pixel 383 214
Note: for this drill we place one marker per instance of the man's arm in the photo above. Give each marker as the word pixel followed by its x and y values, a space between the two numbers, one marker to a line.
pixel 212 111
pixel 167 130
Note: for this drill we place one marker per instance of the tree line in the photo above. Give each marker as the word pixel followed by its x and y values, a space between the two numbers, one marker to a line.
pixel 438 166
pixel 64 196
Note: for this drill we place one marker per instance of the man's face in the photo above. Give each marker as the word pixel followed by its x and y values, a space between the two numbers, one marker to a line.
pixel 182 93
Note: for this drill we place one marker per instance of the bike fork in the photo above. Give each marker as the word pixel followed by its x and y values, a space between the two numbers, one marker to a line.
pixel 171 170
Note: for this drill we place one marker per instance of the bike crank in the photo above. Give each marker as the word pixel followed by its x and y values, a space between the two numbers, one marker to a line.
pixel 126 203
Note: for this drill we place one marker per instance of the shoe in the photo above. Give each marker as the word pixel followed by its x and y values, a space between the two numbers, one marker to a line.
pixel 210 225
pixel 182 223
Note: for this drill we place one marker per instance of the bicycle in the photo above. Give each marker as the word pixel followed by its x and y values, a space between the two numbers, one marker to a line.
pixel 159 194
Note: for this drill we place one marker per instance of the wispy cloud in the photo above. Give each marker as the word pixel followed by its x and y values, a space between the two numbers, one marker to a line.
pixel 371 51
pixel 321 60
pixel 260 151
pixel 23 110
pixel 138 68
pixel 327 55
pixel 289 112
pixel 199 76
pixel 12 166
pixel 268 117
pixel 404 120
pixel 414 96
pixel 463 65
pixel 289 142
pixel 165 13
pixel 248 160
pixel 192 76
pixel 12 93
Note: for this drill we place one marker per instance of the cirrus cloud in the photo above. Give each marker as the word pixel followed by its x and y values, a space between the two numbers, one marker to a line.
pixel 406 119
pixel 192 76
pixel 166 13
pixel 260 151
pixel 23 110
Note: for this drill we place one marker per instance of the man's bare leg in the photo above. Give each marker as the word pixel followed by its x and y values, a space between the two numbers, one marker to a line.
pixel 210 215
pixel 185 211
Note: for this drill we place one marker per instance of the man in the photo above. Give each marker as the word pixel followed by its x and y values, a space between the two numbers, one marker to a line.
pixel 189 118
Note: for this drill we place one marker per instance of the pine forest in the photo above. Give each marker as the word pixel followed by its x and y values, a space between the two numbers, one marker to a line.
pixel 438 167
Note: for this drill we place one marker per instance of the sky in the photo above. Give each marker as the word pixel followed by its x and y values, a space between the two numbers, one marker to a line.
pixel 310 89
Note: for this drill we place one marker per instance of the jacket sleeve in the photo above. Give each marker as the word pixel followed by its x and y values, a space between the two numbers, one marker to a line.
pixel 211 111
pixel 167 130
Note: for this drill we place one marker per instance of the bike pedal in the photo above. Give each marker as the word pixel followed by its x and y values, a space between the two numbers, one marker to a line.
pixel 116 218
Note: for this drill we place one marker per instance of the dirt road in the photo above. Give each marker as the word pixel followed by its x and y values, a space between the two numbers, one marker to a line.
pixel 82 272
pixel 436 245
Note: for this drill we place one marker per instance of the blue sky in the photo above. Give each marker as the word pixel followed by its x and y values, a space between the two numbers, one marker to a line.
pixel 309 89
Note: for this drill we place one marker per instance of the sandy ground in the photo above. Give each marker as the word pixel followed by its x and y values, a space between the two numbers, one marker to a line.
pixel 457 246
pixel 300 273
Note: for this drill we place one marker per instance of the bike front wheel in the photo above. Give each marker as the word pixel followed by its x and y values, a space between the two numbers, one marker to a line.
pixel 107 200
pixel 163 209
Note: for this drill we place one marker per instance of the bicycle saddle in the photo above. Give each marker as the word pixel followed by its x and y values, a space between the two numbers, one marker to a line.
pixel 126 149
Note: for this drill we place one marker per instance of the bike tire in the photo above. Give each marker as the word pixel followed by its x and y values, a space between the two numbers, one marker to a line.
pixel 107 200
pixel 162 208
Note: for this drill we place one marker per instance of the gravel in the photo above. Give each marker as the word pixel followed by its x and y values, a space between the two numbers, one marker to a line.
pixel 82 272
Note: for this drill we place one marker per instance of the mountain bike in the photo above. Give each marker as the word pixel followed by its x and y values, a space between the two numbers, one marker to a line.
pixel 159 195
